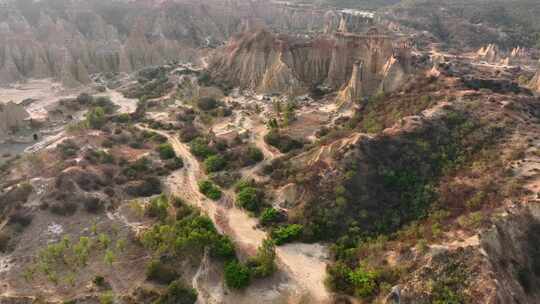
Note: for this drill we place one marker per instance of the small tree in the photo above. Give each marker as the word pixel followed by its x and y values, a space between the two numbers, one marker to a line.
pixel 264 263
pixel 254 155
pixel 249 198
pixel 178 293
pixel 96 118
pixel 237 276
pixel 109 257
pixel 166 151
pixel 209 190
pixel 214 163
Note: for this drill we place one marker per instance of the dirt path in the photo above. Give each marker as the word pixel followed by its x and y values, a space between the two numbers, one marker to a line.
pixel 305 264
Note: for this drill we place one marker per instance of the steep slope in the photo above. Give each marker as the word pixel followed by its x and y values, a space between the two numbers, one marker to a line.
pixel 281 64
pixel 71 39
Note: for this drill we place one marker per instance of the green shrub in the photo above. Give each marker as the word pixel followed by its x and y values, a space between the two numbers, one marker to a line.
pixel 254 155
pixel 178 293
pixel 284 143
pixel 249 198
pixel 223 248
pixel 96 118
pixel 264 263
pixel 106 298
pixel 68 148
pixel 161 273
pixel 237 276
pixel 337 278
pixel 123 118
pixel 214 163
pixel 207 103
pixel 364 282
pixel 241 184
pixel 199 148
pixel 288 233
pixel 158 207
pixel 147 187
pixel 99 281
pixel 174 163
pixel 166 151
pixel 210 190
pixel 269 216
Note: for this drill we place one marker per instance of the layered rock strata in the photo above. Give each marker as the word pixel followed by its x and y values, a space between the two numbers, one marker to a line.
pixel 70 40
pixel 357 64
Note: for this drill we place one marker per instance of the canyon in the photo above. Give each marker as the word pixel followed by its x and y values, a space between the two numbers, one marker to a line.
pixel 237 151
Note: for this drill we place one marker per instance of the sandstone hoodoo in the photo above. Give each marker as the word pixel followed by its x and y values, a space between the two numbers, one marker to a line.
pixel 359 64
pixel 489 53
pixel 269 151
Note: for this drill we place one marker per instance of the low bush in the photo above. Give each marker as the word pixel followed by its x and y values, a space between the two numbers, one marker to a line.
pixel 284 143
pixel 188 133
pixel 263 264
pixel 147 187
pixel 237 276
pixel 166 151
pixel 249 198
pixel 253 156
pixel 178 293
pixel 174 163
pixel 209 190
pixel 93 204
pixel 158 207
pixel 214 163
pixel 160 272
pixel 199 148
pixel 68 148
pixel 95 118
pixel 207 103
pixel 286 234
pixel 270 216
pixel 63 208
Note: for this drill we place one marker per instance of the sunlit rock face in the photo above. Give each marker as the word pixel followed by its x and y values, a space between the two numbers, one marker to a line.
pixel 489 53
pixel 115 37
pixel 70 40
pixel 360 64
pixel 535 82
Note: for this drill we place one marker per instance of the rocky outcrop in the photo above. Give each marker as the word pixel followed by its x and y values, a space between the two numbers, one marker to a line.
pixel 489 53
pixel 535 82
pixel 354 89
pixel 282 64
pixel 11 116
pixel 348 21
pixel 72 40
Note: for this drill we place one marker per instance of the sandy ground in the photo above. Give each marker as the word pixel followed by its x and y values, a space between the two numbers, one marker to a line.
pixel 45 92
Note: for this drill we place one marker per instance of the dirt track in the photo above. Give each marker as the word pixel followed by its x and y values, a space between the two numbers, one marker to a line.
pixel 305 264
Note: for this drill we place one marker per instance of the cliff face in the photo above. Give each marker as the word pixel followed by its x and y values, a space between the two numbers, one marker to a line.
pixel 361 64
pixel 70 40
pixel 489 53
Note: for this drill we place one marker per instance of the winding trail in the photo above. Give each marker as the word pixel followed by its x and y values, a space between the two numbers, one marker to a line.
pixel 305 264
